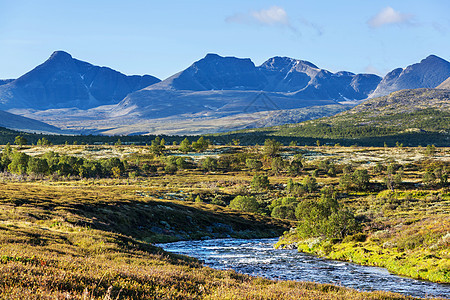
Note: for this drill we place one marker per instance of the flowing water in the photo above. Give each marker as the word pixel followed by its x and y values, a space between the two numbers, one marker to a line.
pixel 258 257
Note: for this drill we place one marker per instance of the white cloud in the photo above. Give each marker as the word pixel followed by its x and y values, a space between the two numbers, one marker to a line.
pixel 274 15
pixel 271 16
pixel 389 16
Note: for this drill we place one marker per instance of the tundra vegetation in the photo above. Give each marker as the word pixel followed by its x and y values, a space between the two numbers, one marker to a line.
pixel 78 221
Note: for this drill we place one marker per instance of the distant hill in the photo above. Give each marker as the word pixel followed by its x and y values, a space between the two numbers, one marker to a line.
pixel 444 85
pixel 417 110
pixel 429 73
pixel 63 81
pixel 414 117
pixel 404 101
pixel 16 122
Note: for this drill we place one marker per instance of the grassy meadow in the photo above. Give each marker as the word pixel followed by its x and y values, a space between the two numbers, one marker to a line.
pixel 79 221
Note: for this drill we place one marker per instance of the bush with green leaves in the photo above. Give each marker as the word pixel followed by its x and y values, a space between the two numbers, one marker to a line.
pixel 20 140
pixel 182 163
pixel 324 218
pixel 209 164
pixel 430 150
pixel 5 157
pixel 295 188
pixel 185 146
pixel 346 182
pixel 283 208
pixel 310 183
pixel 158 145
pixel 260 182
pixel 435 176
pixel 201 144
pixel 19 163
pixel 277 165
pixel 253 164
pixel 361 179
pixel 43 142
pixel 218 201
pixel 245 204
pixel 147 168
pixel 295 167
pixel 91 169
pixel 170 165
pixel 271 147
pixel 37 166
pixel 393 176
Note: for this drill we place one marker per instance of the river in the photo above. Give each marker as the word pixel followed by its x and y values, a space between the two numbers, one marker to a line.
pixel 257 257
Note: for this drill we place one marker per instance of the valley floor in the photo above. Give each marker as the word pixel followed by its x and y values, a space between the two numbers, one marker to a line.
pixel 65 237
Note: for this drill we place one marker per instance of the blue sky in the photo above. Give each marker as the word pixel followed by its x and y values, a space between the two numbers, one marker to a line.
pixel 163 37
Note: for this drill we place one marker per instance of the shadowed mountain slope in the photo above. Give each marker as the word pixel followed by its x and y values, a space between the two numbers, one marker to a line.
pixel 63 81
pixel 429 73
pixel 16 122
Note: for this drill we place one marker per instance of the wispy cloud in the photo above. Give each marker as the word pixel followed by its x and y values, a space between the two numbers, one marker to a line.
pixel 273 16
pixel 371 70
pixel 316 27
pixel 442 29
pixel 388 16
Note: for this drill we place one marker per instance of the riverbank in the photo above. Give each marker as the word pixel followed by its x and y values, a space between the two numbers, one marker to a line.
pixel 67 240
pixel 409 236
pixel 257 257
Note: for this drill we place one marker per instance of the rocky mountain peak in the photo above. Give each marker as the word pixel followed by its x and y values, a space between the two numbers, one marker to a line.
pixel 215 72
pixel 282 63
pixel 65 82
pixel 60 55
pixel 428 73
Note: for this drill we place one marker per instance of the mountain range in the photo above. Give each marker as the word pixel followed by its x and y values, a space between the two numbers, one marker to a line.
pixel 214 94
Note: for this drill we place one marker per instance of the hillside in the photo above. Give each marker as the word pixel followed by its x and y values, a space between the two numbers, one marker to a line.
pixel 401 102
pixel 444 85
pixel 17 122
pixel 412 117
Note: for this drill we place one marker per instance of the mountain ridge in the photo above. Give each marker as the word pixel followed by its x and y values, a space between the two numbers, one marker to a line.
pixel 229 85
pixel 62 81
pixel 428 73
